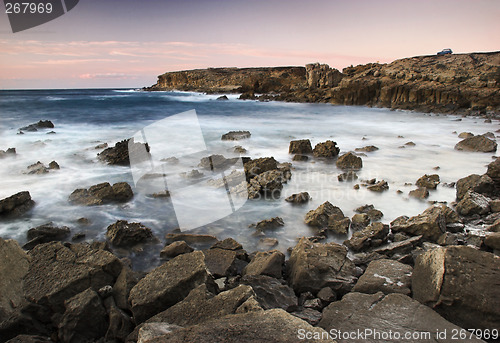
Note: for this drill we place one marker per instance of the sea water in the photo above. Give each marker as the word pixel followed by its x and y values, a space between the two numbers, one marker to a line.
pixel 85 119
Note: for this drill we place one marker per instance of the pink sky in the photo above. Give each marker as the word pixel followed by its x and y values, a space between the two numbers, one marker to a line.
pixel 127 43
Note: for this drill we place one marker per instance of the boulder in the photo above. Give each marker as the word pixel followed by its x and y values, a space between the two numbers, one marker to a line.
pixel 271 293
pixel 430 224
pixel 14 263
pixel 216 163
pixel 384 318
pixel 419 193
pixel 482 184
pixel 221 262
pixel 259 166
pixel 372 236
pixel 477 143
pixel 313 266
pixel 119 154
pixel 371 211
pixel 37 169
pixel 46 233
pixel 122 287
pixel 339 226
pixel 42 124
pixel 54 165
pixel 321 216
pixel 269 224
pixel 359 221
pixel 227 244
pixel 493 241
pixel 473 203
pixel 58 272
pixel 428 181
pixel 251 327
pixel 84 318
pixel 120 323
pixel 369 148
pixel 459 283
pixel 235 135
pixel 298 198
pixel 326 149
pixel 16 205
pixel 494 170
pixel 347 176
pixel 167 284
pixel 302 146
pixel 309 315
pixel 465 135
pixel 379 186
pixel 175 249
pixel 349 161
pixel 386 276
pixel 125 234
pixel 266 263
pixel 267 184
pixel 101 194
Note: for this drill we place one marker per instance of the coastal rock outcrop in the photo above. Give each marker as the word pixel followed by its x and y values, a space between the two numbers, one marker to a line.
pixel 349 161
pixel 102 193
pixel 125 234
pixel 301 146
pixel 120 153
pixel 235 135
pixel 42 124
pixel 477 143
pixel 326 149
pixel 16 205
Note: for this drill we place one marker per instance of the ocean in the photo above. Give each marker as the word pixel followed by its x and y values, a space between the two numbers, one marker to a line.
pixel 84 119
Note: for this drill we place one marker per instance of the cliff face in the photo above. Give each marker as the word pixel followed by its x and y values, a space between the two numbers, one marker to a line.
pixel 450 83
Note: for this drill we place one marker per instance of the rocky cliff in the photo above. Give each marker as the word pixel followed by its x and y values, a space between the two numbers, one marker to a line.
pixel 467 83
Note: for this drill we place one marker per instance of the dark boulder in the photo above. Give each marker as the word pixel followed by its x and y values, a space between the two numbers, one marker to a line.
pixel 222 98
pixel 300 158
pixel 102 193
pixel 477 143
pixel 125 234
pixel 428 181
pixel 349 161
pixel 302 146
pixel 120 153
pixel 387 276
pixel 298 198
pixel 271 293
pixel 259 166
pixel 16 205
pixel 372 236
pixel 46 233
pixel 326 149
pixel 42 124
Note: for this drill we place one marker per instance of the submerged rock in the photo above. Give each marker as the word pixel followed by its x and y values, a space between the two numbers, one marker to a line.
pixel 9 152
pixel 347 176
pixel 369 148
pixel 259 166
pixel 269 224
pixel 102 193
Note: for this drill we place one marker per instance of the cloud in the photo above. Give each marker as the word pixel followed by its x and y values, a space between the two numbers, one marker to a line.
pixel 118 76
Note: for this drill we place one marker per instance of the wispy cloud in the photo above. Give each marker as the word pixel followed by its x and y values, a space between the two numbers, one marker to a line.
pixel 119 76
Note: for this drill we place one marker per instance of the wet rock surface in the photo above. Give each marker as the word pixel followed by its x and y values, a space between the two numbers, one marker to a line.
pixel 101 194
pixel 235 135
pixel 120 153
pixel 16 205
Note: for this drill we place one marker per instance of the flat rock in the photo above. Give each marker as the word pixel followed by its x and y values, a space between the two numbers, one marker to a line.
pixel 386 276
pixel 235 135
pixel 175 248
pixel 326 149
pixel 16 205
pixel 349 161
pixel 274 325
pixel 477 143
pixel 302 146
pixel 460 283
pixel 395 313
pixel 313 266
pixel 125 234
pixel 266 263
pixel 46 233
pixel 167 284
pixel 221 262
pixel 102 193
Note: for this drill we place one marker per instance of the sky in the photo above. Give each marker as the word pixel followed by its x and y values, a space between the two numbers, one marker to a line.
pixel 128 43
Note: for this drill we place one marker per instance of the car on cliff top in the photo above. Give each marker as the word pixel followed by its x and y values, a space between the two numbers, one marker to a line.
pixel 445 52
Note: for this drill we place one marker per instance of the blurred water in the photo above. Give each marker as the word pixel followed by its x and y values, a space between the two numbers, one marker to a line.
pixel 86 118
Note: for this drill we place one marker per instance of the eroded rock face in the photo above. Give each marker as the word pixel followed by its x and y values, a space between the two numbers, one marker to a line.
pixel 167 284
pixel 349 161
pixel 175 248
pixel 102 193
pixel 326 149
pixel 266 263
pixel 125 234
pixel 271 292
pixel 46 233
pixel 482 184
pixel 302 146
pixel 372 236
pixel 259 166
pixel 119 154
pixel 431 224
pixel 395 312
pixel 473 203
pixel 477 143
pixel 386 276
pixel 321 216
pixel 251 327
pixel 313 266
pixel 16 205
pixel 428 181
pixel 458 282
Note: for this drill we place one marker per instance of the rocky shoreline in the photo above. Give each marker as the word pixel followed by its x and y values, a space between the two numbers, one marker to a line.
pixel 466 84
pixel 431 273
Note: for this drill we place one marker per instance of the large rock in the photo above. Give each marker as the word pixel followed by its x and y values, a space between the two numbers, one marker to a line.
pixel 349 161
pixel 460 283
pixel 259 166
pixel 102 193
pixel 42 124
pixel 473 203
pixel 494 169
pixel 385 318
pixel 58 272
pixel 482 184
pixel 372 236
pixel 16 204
pixel 235 135
pixel 326 149
pixel 84 318
pixel 269 224
pixel 119 154
pixel 175 249
pixel 221 262
pixel 46 233
pixel 299 198
pixel 386 276
pixel 14 263
pixel 271 293
pixel 431 224
pixel 268 184
pixel 302 146
pixel 125 234
pixel 313 266
pixel 168 284
pixel 266 263
pixel 122 287
pixel 323 214
pixel 274 325
pixel 477 143
pixel 379 186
